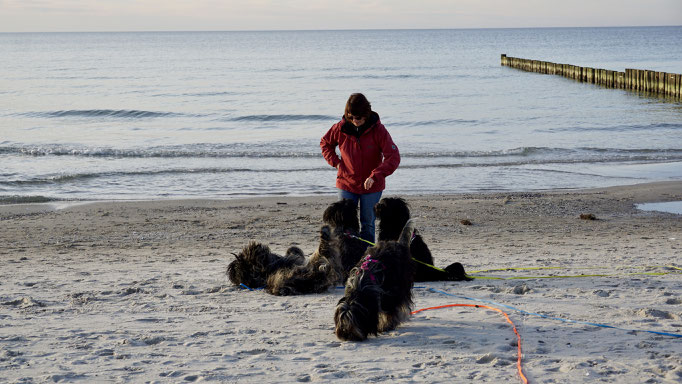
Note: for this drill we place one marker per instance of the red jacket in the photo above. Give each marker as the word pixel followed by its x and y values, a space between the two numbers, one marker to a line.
pixel 371 154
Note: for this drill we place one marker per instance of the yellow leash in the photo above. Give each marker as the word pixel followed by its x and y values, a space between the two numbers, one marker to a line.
pixel 570 276
pixel 539 268
pixel 418 261
pixel 429 265
pixel 566 276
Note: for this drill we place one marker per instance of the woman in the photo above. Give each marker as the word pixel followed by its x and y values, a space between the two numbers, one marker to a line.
pixel 368 155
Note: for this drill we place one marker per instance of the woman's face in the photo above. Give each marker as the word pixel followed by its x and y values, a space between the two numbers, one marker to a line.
pixel 356 120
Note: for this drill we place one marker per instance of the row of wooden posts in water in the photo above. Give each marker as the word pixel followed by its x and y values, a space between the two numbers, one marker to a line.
pixel 662 83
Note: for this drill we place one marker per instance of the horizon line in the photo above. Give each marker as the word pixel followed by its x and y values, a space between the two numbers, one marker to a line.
pixel 337 30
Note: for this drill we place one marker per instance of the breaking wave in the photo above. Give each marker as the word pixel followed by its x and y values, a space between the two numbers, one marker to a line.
pixel 101 113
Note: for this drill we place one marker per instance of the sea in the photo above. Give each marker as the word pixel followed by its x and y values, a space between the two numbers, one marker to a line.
pixel 220 115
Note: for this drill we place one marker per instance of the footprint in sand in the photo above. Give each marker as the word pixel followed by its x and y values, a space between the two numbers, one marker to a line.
pixel 24 302
pixel 655 313
pixel 520 289
pixel 486 359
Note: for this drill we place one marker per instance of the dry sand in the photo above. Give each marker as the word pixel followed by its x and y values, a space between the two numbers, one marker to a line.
pixel 137 292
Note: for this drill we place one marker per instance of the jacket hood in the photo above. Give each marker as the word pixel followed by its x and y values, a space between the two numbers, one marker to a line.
pixel 348 128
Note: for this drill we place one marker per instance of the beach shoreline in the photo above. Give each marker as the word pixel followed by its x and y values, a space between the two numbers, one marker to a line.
pixel 136 291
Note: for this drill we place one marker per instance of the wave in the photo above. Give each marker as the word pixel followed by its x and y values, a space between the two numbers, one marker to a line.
pixel 108 113
pixel 25 199
pixel 618 128
pixel 197 94
pixel 262 118
pixel 297 150
pixel 585 153
pixel 536 163
pixel 435 122
pixel 77 177
pixel 176 173
pixel 189 151
pixel 546 153
pixel 388 76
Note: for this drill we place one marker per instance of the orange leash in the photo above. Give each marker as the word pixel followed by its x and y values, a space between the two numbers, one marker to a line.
pixel 518 337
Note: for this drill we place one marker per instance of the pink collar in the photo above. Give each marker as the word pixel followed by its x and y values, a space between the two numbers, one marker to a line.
pixel 365 266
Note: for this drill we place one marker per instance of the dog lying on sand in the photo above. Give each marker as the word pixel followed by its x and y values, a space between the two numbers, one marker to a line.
pixel 255 266
pixel 255 263
pixel 322 271
pixel 338 252
pixel 393 213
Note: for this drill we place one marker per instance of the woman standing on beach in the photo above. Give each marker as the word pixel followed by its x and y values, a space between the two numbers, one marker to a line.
pixel 368 155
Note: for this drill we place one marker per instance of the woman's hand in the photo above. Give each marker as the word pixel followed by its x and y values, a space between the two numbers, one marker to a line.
pixel 369 182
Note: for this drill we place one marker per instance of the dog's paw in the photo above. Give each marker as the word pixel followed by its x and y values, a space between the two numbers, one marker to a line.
pixel 296 254
pixel 279 290
pixel 456 272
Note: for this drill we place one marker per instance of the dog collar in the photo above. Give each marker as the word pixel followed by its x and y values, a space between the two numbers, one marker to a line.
pixel 366 264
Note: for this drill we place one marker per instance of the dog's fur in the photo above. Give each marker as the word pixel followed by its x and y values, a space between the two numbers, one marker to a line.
pixel 255 263
pixel 322 271
pixel 378 295
pixel 337 254
pixel 342 217
pixel 393 213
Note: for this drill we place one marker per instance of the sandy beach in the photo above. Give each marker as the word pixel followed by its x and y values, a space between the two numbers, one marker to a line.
pixel 137 292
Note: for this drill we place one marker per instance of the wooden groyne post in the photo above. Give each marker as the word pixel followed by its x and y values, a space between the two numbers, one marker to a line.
pixel 662 83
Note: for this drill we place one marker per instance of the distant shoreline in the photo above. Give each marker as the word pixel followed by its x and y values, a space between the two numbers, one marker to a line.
pixel 54 205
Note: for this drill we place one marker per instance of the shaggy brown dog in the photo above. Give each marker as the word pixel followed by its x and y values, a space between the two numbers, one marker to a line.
pixel 322 271
pixel 393 213
pixel 255 263
pixel 342 217
pixel 378 295
pixel 255 266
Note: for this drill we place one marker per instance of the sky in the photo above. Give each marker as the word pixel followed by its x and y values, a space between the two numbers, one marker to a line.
pixel 229 15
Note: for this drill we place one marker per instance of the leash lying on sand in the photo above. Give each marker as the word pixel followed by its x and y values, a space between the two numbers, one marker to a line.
pixel 538 268
pixel 674 270
pixel 518 336
pixel 554 318
pixel 508 319
pixel 506 316
pixel 522 311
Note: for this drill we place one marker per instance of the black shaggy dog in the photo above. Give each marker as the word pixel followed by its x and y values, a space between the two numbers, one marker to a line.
pixel 255 263
pixel 322 270
pixel 342 217
pixel 257 267
pixel 393 213
pixel 378 294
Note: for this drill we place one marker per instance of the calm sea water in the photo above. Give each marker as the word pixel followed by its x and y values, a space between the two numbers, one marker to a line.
pixel 227 114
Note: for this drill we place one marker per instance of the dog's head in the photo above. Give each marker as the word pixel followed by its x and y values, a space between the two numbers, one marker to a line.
pixel 393 213
pixel 357 314
pixel 249 265
pixel 342 214
pixel 393 209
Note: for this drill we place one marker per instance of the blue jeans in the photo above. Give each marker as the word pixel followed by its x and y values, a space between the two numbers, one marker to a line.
pixel 367 203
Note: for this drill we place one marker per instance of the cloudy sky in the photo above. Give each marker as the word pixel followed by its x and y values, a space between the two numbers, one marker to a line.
pixel 225 15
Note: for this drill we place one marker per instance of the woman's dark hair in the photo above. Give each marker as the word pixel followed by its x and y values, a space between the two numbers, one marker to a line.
pixel 357 105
